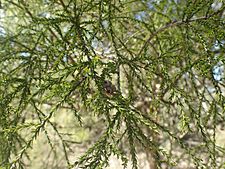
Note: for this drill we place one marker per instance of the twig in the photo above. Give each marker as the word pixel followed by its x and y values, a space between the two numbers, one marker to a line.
pixel 175 23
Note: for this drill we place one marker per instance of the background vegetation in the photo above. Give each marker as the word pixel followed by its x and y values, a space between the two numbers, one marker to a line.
pixel 112 83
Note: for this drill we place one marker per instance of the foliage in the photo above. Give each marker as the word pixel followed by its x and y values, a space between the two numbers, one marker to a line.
pixel 165 58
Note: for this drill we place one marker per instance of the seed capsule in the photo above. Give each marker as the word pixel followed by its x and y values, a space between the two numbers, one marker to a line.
pixel 109 88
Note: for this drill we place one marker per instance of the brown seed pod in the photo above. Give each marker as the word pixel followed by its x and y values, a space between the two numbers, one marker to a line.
pixel 109 88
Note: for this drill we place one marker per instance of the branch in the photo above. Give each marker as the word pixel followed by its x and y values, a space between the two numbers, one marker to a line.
pixel 175 23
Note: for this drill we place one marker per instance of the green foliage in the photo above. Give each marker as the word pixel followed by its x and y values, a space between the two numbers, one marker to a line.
pixel 165 58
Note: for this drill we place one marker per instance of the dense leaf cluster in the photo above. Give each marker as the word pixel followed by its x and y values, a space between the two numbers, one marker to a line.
pixel 165 60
